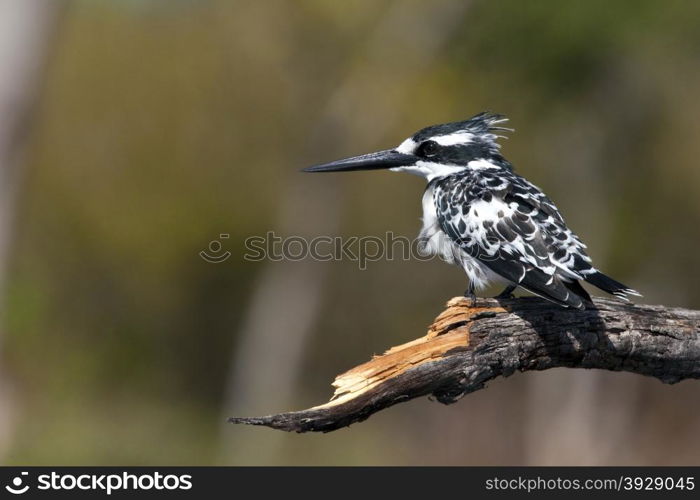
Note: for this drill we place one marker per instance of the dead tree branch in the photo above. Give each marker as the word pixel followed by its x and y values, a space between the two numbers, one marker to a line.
pixel 468 346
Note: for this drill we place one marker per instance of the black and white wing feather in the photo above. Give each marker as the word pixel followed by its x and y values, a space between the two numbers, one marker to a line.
pixel 510 227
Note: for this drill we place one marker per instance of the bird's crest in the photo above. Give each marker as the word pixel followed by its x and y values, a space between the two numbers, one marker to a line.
pixel 485 123
pixel 485 126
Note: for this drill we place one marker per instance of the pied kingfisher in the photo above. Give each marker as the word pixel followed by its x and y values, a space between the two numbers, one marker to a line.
pixel 479 214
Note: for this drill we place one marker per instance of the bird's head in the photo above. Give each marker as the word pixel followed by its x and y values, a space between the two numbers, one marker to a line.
pixel 436 151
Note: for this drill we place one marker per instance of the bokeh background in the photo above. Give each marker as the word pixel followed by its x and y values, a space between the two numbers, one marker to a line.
pixel 134 133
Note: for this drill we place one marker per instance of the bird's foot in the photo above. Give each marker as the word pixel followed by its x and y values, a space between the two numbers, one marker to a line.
pixel 507 293
pixel 469 293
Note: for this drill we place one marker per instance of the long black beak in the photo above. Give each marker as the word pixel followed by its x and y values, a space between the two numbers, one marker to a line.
pixel 373 161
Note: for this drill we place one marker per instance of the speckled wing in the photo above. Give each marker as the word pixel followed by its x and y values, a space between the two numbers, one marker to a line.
pixel 513 229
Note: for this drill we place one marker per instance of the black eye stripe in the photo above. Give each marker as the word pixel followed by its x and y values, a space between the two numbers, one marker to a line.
pixel 428 149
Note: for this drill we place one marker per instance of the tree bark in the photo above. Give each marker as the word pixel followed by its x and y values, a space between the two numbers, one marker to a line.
pixel 467 346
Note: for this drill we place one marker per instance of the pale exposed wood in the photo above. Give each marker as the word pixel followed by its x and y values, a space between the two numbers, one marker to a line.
pixel 467 346
pixel 449 331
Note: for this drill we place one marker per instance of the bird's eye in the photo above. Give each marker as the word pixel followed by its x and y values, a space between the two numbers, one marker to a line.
pixel 428 149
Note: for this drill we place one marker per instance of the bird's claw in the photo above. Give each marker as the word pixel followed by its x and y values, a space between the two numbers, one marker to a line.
pixel 506 294
pixel 469 294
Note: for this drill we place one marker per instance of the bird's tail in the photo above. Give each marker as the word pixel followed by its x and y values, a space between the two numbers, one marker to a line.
pixel 609 285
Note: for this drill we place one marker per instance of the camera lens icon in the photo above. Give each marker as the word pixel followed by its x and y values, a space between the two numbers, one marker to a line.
pixel 16 487
pixel 213 254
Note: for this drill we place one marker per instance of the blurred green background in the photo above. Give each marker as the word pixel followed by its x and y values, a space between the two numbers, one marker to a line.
pixel 156 126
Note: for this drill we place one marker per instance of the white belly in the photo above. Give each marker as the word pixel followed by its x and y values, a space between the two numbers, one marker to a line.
pixel 433 241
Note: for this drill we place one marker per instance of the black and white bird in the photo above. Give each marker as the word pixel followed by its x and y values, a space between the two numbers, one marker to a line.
pixel 479 214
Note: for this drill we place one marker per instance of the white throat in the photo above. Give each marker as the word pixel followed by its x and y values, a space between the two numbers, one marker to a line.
pixel 431 170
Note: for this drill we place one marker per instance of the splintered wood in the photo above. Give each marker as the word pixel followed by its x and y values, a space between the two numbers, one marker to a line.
pixel 532 334
pixel 450 330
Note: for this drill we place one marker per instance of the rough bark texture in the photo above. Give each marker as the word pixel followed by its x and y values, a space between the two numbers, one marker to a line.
pixel 468 346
